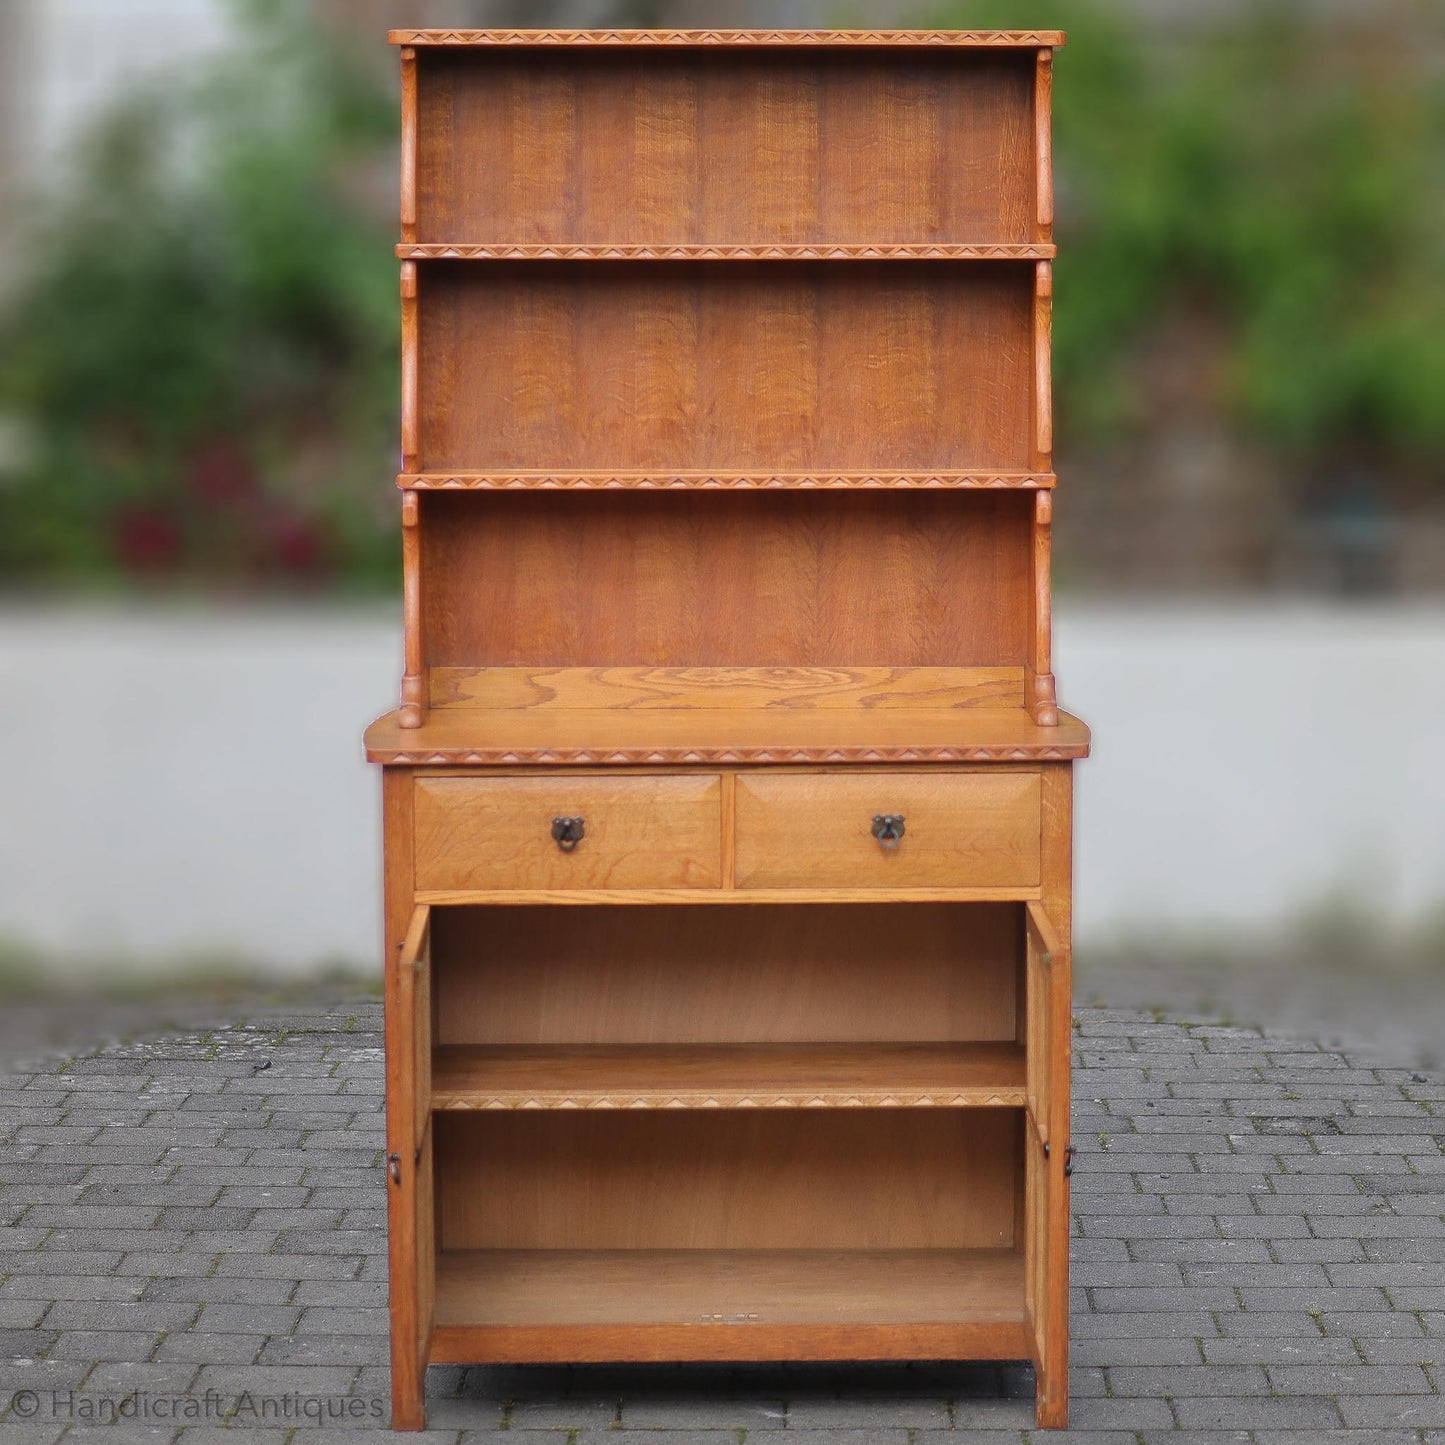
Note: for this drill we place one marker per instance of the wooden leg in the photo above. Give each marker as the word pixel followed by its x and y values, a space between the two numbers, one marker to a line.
pixel 408 1391
pixel 1051 1402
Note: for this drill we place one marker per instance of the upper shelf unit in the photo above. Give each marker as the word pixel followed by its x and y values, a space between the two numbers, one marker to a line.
pixel 722 145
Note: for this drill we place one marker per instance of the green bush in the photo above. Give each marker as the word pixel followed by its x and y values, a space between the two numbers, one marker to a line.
pixel 1273 174
pixel 204 359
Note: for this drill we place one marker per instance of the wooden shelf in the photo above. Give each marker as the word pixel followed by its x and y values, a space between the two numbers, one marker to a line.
pixel 545 481
pixel 715 1304
pixel 729 1076
pixel 814 251
pixel 452 736
pixel 653 39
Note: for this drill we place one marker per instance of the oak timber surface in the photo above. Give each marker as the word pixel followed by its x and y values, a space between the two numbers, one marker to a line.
pixel 802 974
pixel 671 148
pixel 694 1286
pixel 811 830
pixel 744 580
pixel 641 832
pixel 728 1178
pixel 793 1075
pixel 741 735
pixel 612 365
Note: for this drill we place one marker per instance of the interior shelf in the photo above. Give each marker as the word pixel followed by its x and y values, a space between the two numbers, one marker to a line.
pixel 729 1076
pixel 692 251
pixel 679 1303
pixel 610 481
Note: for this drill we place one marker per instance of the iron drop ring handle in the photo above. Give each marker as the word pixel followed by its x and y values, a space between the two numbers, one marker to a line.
pixel 567 833
pixel 888 829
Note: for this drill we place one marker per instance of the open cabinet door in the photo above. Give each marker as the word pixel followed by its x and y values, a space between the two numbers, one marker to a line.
pixel 409 1166
pixel 1048 1155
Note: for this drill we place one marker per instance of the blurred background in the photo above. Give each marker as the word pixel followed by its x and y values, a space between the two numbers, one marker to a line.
pixel 198 523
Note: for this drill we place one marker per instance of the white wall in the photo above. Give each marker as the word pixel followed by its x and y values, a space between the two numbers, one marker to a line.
pixel 81 54
pixel 178 782
pixel 1250 761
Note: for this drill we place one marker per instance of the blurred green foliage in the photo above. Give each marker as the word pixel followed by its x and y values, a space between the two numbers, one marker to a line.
pixel 203 362
pixel 1272 171
pixel 204 359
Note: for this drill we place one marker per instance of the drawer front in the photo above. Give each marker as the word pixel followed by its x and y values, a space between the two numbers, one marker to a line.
pixel 637 832
pixel 974 830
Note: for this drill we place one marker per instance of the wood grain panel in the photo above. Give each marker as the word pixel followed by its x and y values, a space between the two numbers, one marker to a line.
pixel 814 830
pixel 764 147
pixel 897 579
pixel 642 975
pixel 639 832
pixel 752 366
pixel 649 689
pixel 730 1179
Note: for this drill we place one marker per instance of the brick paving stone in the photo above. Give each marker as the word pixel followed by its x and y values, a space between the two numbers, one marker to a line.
pixel 1171 1382
pixel 1349 1379
pixel 1294 1412
pixel 724 1437
pixel 1341 1437
pixel 1412 1411
pixel 906 1413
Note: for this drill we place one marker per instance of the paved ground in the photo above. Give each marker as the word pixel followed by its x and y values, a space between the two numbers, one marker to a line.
pixel 195 1223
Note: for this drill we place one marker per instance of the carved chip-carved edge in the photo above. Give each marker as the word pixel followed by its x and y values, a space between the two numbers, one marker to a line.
pixel 872 1099
pixel 820 251
pixel 641 481
pixel 1003 753
pixel 631 38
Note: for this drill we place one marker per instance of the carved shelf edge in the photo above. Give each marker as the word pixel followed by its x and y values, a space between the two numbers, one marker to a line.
pixel 815 251
pixel 461 1100
pixel 1021 39
pixel 717 481
pixel 498 757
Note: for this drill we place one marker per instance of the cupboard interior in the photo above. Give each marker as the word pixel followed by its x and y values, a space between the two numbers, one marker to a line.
pixel 578 1218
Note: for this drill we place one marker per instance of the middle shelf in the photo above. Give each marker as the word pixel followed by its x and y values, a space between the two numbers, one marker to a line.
pixel 729 1076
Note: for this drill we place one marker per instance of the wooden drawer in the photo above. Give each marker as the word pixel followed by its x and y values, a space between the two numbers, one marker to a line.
pixel 960 830
pixel 638 832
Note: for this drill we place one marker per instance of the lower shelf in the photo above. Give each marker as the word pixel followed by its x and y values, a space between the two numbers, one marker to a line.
pixel 694 1076
pixel 517 1306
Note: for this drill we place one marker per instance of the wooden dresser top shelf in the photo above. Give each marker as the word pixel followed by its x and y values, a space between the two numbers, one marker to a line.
pixel 652 39
pixel 462 736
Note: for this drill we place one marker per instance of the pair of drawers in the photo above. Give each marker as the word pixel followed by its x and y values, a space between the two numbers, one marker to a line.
pixel 777 830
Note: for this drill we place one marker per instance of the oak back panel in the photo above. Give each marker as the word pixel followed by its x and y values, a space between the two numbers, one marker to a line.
pixel 694 974
pixel 728 1179
pixel 742 366
pixel 730 148
pixel 901 579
